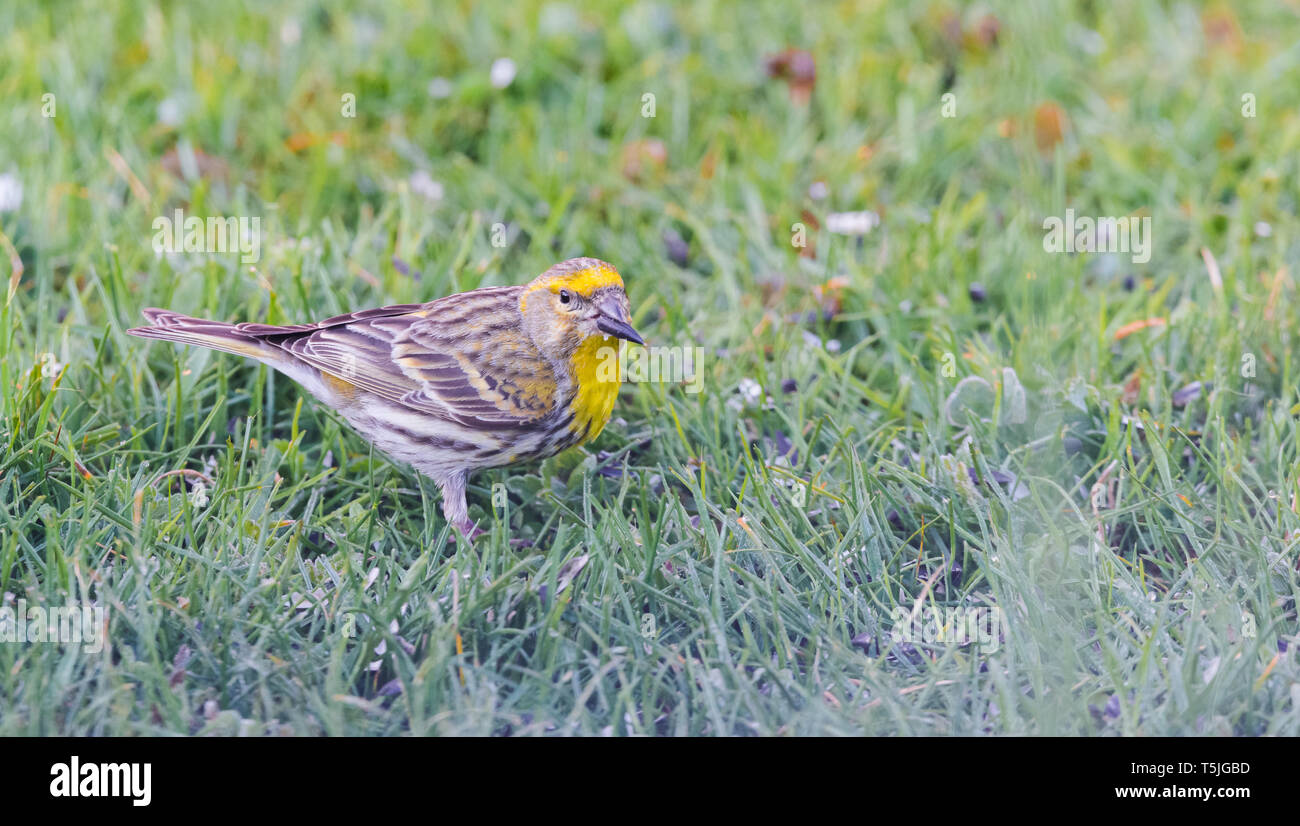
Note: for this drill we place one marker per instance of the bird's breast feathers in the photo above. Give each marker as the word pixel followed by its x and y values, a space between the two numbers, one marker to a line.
pixel 596 381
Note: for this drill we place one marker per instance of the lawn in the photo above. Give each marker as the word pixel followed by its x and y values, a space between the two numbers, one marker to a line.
pixel 902 420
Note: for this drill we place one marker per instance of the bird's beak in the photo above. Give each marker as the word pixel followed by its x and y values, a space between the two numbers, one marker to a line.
pixel 612 319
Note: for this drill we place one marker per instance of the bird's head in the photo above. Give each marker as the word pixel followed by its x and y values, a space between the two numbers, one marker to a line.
pixel 573 301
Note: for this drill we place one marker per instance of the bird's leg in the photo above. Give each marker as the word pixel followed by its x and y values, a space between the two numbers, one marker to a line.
pixel 455 508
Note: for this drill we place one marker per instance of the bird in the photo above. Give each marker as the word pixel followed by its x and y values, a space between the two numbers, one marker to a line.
pixel 486 378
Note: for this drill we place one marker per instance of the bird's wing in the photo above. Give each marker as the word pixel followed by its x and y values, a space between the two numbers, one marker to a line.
pixel 474 357
pixel 465 358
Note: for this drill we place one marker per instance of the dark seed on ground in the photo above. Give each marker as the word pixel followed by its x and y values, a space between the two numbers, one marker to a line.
pixel 1112 706
pixel 676 248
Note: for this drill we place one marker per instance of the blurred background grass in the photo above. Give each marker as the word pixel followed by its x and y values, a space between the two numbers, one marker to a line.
pixel 717 563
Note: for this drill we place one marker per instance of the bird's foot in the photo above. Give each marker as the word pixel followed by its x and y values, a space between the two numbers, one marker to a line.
pixel 469 530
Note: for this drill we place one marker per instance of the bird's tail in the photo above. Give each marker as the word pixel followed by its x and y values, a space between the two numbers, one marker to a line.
pixel 166 325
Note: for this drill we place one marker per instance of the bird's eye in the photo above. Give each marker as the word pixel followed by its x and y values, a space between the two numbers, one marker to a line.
pixel 564 296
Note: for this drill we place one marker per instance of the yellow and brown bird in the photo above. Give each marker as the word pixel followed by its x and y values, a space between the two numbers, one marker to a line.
pixel 479 379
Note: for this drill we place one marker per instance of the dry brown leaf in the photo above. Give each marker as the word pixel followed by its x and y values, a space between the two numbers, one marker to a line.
pixel 1049 126
pixel 642 157
pixel 1132 388
pixel 1222 31
pixel 1134 326
pixel 797 68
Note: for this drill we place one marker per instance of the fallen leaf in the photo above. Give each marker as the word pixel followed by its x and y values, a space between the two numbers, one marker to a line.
pixel 1212 268
pixel 1132 388
pixel 1134 326
pixel 1049 126
pixel 643 156
pixel 708 165
pixel 797 68
pixel 1222 29
pixel 305 140
pixel 986 32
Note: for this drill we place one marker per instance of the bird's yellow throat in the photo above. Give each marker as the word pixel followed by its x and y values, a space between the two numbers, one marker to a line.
pixel 597 380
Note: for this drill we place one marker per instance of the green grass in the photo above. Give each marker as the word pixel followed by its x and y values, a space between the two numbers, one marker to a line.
pixel 730 586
